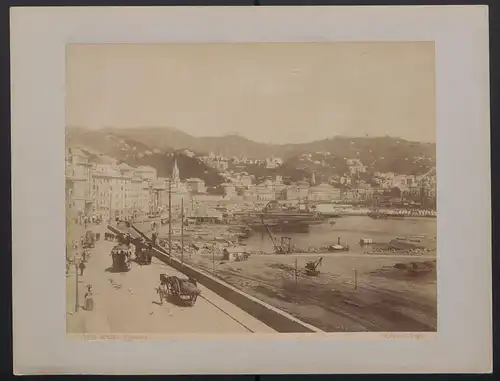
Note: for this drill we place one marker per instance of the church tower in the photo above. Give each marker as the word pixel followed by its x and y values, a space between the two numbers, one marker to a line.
pixel 175 173
pixel 313 179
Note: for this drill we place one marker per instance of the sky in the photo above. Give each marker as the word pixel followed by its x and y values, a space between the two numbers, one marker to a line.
pixel 268 92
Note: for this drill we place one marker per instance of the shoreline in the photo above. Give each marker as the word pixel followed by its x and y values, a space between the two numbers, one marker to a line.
pixel 390 216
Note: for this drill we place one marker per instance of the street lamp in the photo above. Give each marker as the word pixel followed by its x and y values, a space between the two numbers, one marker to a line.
pixel 77 263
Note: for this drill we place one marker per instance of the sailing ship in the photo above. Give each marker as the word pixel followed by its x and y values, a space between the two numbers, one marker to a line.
pixel 277 218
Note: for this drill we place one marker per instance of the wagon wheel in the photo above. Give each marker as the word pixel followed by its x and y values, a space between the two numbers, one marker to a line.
pixel 176 287
pixel 192 299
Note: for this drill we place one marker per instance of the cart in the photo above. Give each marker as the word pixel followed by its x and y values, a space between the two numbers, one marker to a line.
pixel 182 291
pixel 89 240
pixel 120 255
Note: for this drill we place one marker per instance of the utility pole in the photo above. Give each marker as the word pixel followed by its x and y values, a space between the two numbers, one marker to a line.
pixel 170 217
pixel 182 232
pixel 76 289
pixel 296 271
pixel 213 257
pixel 110 203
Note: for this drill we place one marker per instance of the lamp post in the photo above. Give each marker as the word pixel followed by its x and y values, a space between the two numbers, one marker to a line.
pixel 77 262
pixel 213 257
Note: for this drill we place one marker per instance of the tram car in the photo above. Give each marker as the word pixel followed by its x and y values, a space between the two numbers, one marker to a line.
pixel 120 255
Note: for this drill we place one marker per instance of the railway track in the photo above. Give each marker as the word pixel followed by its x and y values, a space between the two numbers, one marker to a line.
pixel 337 309
pixel 227 313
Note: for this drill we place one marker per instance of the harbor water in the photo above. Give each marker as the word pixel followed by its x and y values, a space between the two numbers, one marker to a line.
pixel 351 229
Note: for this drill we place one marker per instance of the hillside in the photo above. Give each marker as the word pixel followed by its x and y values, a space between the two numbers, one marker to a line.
pixel 100 146
pixel 169 139
pixel 232 145
pixel 188 167
pixel 154 146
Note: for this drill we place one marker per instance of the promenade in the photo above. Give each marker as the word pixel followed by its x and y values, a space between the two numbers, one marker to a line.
pixel 128 302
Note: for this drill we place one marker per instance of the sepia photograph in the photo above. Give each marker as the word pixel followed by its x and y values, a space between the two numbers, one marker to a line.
pixel 251 188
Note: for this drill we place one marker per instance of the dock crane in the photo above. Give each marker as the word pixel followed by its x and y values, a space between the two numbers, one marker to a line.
pixel 284 246
pixel 312 267
pixel 279 248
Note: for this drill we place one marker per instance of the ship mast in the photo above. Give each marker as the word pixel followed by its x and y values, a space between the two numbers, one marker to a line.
pixel 170 217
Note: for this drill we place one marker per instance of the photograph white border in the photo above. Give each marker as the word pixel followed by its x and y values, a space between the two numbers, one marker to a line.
pixel 464 339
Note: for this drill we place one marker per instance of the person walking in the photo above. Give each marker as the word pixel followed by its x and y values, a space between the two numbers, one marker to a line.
pixel 89 300
pixel 81 266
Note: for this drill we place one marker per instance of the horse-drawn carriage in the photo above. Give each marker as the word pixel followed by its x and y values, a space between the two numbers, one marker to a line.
pixel 120 255
pixel 89 240
pixel 183 291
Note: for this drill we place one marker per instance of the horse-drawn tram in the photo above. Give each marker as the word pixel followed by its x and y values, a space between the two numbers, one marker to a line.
pixel 182 291
pixel 120 255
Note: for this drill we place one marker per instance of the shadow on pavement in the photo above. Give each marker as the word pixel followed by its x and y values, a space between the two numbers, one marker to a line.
pixel 115 271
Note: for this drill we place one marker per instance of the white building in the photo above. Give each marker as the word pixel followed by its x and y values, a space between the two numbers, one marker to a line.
pixel 229 190
pixel 196 185
pixel 78 182
pixel 112 193
pixel 324 192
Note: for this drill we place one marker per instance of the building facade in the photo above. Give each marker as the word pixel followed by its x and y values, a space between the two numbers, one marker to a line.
pixel 324 192
pixel 196 185
pixel 78 182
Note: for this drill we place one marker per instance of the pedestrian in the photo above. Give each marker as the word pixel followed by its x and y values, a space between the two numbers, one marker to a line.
pixel 84 256
pixel 89 300
pixel 81 266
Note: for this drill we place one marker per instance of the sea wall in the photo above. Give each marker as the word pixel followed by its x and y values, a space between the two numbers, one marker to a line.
pixel 269 315
pixel 276 319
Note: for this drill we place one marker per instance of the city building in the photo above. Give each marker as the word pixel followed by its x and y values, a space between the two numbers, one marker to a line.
pixel 135 194
pixel 246 180
pixel 78 182
pixel 298 191
pixel 344 180
pixel 249 193
pixel 222 165
pixel 145 197
pixel 195 185
pixel 229 190
pixel 146 173
pixel 111 192
pixel 355 166
pixel 159 194
pixel 266 190
pixel 323 192
pixel 265 194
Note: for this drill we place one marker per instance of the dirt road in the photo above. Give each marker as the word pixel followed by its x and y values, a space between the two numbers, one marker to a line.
pixel 128 303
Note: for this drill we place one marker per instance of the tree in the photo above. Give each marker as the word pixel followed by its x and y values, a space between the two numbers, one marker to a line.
pixel 396 192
